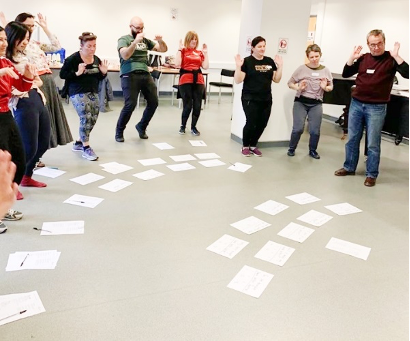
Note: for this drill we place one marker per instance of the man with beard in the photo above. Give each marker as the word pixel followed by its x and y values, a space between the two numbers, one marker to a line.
pixel 135 76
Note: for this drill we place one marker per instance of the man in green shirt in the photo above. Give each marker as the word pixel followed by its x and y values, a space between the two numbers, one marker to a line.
pixel 135 76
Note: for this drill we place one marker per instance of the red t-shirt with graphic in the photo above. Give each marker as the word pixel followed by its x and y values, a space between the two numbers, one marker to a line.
pixel 191 60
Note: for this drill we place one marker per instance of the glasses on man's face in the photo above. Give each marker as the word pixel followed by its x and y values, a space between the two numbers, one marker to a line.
pixel 378 45
pixel 137 28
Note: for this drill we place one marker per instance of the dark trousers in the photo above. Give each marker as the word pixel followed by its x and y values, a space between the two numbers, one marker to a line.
pixel 33 121
pixel 257 116
pixel 131 84
pixel 10 140
pixel 191 95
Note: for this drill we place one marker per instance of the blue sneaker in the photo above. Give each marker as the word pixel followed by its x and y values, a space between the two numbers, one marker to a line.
pixel 195 131
pixel 314 154
pixel 88 153
pixel 77 146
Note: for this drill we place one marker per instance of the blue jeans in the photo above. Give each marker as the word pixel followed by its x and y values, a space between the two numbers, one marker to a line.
pixel 372 116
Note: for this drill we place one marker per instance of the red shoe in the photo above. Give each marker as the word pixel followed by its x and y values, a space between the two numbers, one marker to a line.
pixel 27 181
pixel 19 196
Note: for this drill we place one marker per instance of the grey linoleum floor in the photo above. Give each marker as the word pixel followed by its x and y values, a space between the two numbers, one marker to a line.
pixel 141 271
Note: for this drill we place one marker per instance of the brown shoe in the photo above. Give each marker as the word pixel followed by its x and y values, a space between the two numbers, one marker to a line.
pixel 370 182
pixel 343 172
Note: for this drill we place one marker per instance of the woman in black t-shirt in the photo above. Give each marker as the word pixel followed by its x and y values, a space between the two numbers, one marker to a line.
pixel 83 70
pixel 257 73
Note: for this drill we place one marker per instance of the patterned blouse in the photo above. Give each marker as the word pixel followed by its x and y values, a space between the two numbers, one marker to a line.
pixel 35 52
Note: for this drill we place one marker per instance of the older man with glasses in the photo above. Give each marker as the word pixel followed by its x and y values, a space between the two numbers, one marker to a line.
pixel 375 74
pixel 135 76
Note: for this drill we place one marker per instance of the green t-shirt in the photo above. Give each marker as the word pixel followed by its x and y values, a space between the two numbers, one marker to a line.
pixel 139 59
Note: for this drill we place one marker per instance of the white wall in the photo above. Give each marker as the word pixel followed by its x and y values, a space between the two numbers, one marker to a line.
pixel 346 24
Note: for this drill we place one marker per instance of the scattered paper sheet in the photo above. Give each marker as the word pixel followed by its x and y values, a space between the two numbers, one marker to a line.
pixel 302 198
pixel 62 227
pixel 275 253
pixel 83 200
pixel 152 162
pixel 250 225
pixel 315 218
pixel 19 306
pixel 271 207
pixel 348 248
pixel 163 146
pixel 227 246
pixel 182 158
pixel 148 175
pixel 45 260
pixel 181 167
pixel 49 172
pixel 115 167
pixel 296 232
pixel 343 209
pixel 87 178
pixel 115 185
pixel 205 156
pixel 239 167
pixel 197 143
pixel 212 163
pixel 250 281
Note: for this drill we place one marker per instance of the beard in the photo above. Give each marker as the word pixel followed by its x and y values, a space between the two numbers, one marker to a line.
pixel 133 33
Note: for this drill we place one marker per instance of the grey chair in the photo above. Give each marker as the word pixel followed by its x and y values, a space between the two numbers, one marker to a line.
pixel 221 84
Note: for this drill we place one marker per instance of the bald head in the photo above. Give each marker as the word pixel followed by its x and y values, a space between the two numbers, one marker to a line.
pixel 137 26
pixel 136 21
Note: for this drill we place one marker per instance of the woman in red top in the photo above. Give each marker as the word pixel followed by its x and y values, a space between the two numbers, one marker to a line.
pixel 191 80
pixel 10 139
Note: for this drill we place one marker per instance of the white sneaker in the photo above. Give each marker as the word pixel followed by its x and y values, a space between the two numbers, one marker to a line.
pixel 13 215
pixel 3 228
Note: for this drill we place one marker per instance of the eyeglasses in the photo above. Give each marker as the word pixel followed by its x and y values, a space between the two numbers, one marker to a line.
pixel 378 45
pixel 138 28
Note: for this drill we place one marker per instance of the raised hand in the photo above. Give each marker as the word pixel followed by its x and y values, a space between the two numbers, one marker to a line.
pixel 8 71
pixel 81 69
pixel 158 37
pixel 204 48
pixel 103 66
pixel 181 45
pixel 30 71
pixel 357 52
pixel 3 21
pixel 302 85
pixel 323 83
pixel 395 52
pixel 42 21
pixel 278 61
pixel 238 61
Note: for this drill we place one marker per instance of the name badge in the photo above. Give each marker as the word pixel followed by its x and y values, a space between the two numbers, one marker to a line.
pixel 315 74
pixel 370 71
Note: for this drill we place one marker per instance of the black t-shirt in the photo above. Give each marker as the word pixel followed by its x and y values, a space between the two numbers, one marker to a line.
pixel 257 84
pixel 88 81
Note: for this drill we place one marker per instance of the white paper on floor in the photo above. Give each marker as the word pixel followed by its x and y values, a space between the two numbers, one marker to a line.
pixel 275 253
pixel 271 207
pixel 302 198
pixel 181 167
pixel 205 156
pixel 182 158
pixel 296 232
pixel 87 178
pixel 343 208
pixel 83 200
pixel 239 167
pixel 115 185
pixel 348 248
pixel 163 146
pixel 212 163
pixel 227 246
pixel 197 143
pixel 24 260
pixel 251 281
pixel 250 225
pixel 15 307
pixel 49 172
pixel 148 175
pixel 62 227
pixel 115 167
pixel 315 218
pixel 152 162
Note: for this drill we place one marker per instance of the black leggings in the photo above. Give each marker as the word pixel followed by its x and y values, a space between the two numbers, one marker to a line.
pixel 257 116
pixel 191 99
pixel 10 140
